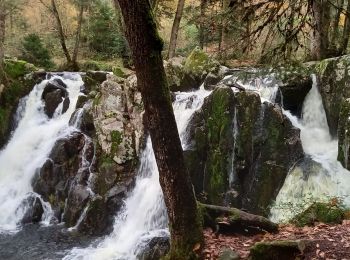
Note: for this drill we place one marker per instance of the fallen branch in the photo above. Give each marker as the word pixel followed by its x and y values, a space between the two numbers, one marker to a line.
pixel 224 219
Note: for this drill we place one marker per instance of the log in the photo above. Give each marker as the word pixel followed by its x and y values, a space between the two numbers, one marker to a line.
pixel 225 219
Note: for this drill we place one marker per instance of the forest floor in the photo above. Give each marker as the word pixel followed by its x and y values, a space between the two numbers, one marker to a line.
pixel 326 241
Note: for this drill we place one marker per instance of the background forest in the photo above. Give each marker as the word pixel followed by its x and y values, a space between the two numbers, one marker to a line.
pixel 88 34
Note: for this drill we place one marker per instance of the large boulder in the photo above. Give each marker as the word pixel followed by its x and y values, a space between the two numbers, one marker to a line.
pixel 334 85
pixel 240 150
pixel 188 74
pixel 344 134
pixel 53 94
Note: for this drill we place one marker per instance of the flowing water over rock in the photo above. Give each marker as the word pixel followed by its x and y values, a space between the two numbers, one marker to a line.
pixel 144 215
pixel 28 148
pixel 319 176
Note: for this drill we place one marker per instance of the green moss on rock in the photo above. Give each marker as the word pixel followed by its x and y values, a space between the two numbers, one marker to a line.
pixel 286 250
pixel 330 213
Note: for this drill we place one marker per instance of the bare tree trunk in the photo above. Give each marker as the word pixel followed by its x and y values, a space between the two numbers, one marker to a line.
pixel 346 32
pixel 175 28
pixel 77 36
pixel 320 40
pixel 2 40
pixel 60 32
pixel 203 6
pixel 335 25
pixel 184 219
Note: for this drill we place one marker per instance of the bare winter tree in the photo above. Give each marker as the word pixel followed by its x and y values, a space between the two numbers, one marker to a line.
pixel 184 219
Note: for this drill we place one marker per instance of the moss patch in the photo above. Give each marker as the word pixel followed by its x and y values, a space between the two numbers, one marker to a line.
pixel 330 213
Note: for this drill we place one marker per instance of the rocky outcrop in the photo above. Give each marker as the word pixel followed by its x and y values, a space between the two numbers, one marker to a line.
pixel 240 150
pixel 54 93
pixel 188 74
pixel 344 134
pixel 334 85
pixel 89 172
pixel 21 78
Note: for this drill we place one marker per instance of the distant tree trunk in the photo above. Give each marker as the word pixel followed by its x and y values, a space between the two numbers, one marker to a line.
pixel 335 25
pixel 203 6
pixel 175 28
pixel 77 36
pixel 2 40
pixel 60 32
pixel 320 41
pixel 184 219
pixel 346 32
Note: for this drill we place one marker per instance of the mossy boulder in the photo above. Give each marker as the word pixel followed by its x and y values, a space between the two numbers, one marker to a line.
pixel 211 138
pixel 275 250
pixel 334 85
pixel 228 254
pixel 19 84
pixel 240 150
pixel 344 134
pixel 188 74
pixel 330 213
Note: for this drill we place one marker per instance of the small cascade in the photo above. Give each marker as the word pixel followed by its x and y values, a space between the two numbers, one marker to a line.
pixel 318 177
pixel 144 214
pixel 29 147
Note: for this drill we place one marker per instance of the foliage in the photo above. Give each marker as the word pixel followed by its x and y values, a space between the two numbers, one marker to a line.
pixel 34 51
pixel 103 33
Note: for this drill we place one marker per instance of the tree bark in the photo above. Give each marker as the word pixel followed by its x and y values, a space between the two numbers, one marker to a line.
pixel 60 32
pixel 346 32
pixel 334 43
pixel 203 7
pixel 77 36
pixel 320 39
pixel 2 40
pixel 175 28
pixel 184 219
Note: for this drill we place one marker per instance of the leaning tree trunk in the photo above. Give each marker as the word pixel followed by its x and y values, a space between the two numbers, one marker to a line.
pixel 184 219
pixel 346 32
pixel 203 6
pixel 77 38
pixel 2 40
pixel 60 32
pixel 175 28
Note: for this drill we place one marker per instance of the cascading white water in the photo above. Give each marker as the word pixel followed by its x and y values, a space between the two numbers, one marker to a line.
pixel 144 214
pixel 28 148
pixel 326 178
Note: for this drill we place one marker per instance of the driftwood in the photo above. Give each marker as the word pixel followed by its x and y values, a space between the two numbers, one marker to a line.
pixel 224 219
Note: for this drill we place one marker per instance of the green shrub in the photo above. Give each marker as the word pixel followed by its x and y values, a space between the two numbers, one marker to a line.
pixel 34 51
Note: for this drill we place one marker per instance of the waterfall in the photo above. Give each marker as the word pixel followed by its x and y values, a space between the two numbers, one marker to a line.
pixel 144 214
pixel 28 148
pixel 320 176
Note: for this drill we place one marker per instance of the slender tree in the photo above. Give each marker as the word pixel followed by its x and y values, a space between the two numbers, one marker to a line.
pixel 184 219
pixel 2 39
pixel 175 28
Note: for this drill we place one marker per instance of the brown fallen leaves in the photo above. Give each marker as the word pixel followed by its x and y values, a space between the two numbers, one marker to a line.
pixel 326 241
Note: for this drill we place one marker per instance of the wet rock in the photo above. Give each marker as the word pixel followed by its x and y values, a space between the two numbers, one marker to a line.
pixel 240 151
pixel 52 100
pixel 334 85
pixel 286 250
pixel 82 99
pixel 210 138
pixel 344 134
pixel 65 106
pixel 157 248
pixel 99 76
pixel 33 210
pixel 53 94
pixel 77 199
